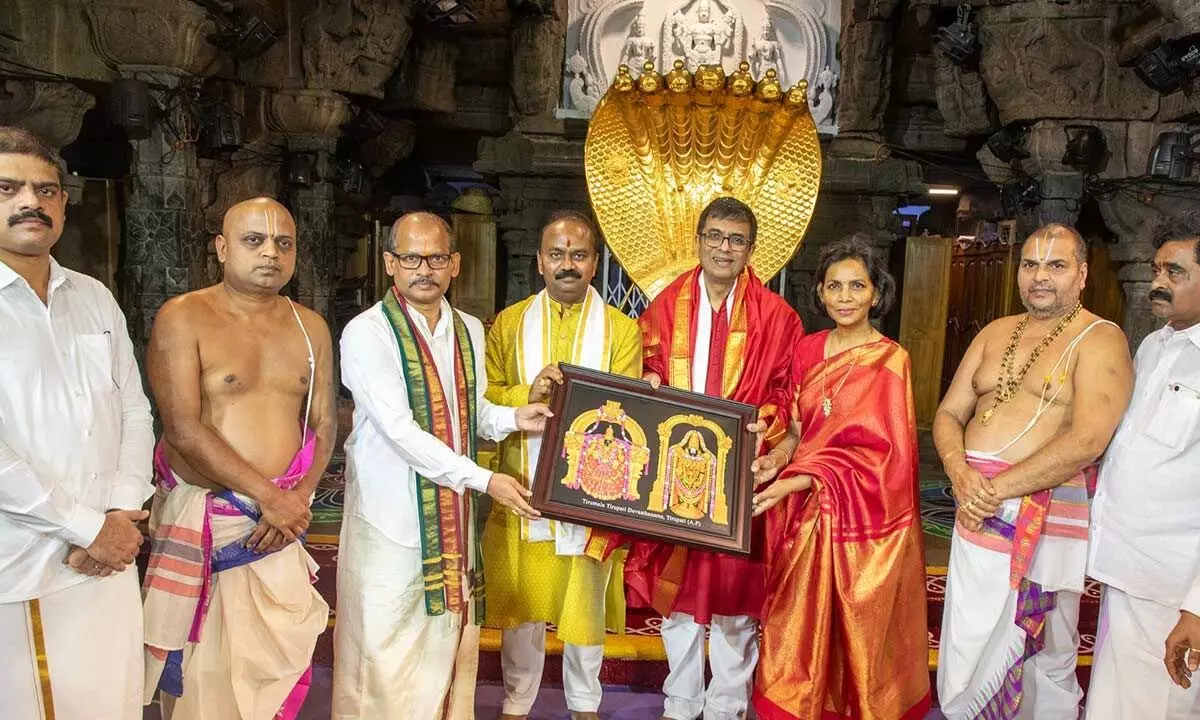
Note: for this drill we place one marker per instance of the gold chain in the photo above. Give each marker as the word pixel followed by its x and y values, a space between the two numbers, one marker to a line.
pixel 827 400
pixel 1009 384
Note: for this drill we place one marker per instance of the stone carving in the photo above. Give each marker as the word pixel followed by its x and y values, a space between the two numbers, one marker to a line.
pixel 435 76
pixel 866 76
pixel 354 46
pixel 1057 67
pixel 766 52
pixel 536 46
pixel 705 38
pixel 391 146
pixel 170 34
pixel 823 95
pixel 307 112
pixel 52 111
pixel 585 90
pixel 962 100
pixel 638 48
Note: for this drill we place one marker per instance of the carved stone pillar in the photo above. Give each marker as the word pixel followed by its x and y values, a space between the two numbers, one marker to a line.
pixel 164 243
pixel 866 76
pixel 52 111
pixel 1134 221
pixel 311 121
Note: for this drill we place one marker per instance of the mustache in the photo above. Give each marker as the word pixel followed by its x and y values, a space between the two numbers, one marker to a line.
pixel 422 281
pixel 564 274
pixel 33 214
pixel 1161 294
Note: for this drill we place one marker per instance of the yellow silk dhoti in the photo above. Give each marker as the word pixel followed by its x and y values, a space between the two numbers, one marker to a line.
pixel 75 654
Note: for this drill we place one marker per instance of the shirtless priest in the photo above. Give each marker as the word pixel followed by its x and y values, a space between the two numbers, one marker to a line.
pixel 1031 408
pixel 243 380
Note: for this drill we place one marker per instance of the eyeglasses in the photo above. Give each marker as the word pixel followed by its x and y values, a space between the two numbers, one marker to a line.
pixel 714 238
pixel 412 261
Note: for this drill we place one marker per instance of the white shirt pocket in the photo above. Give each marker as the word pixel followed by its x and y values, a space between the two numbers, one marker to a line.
pixel 1175 421
pixel 94 355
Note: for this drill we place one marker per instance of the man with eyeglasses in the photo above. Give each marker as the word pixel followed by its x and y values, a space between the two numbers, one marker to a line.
pixel 1145 540
pixel 537 571
pixel 410 575
pixel 243 378
pixel 738 338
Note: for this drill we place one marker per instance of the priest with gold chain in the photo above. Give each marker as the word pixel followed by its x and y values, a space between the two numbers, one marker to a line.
pixel 537 572
pixel 1031 408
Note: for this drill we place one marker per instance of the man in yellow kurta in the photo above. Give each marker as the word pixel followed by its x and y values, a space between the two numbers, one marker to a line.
pixel 537 571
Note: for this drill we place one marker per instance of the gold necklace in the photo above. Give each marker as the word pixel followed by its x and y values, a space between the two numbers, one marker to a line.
pixel 1009 384
pixel 827 400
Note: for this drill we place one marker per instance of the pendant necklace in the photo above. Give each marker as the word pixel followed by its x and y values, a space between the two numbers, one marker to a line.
pixel 827 400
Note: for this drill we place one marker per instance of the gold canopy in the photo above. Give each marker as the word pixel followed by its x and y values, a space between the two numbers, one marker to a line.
pixel 661 148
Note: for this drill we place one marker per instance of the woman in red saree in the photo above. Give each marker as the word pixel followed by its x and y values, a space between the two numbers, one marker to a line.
pixel 844 626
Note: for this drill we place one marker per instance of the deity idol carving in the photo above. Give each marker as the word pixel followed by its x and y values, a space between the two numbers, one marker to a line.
pixel 766 52
pixel 823 95
pixel 638 48
pixel 606 453
pixel 704 40
pixel 584 89
pixel 690 482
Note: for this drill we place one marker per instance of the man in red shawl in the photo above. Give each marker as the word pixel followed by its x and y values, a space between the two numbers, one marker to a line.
pixel 716 329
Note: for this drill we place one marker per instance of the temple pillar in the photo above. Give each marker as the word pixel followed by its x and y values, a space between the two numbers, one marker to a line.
pixel 164 248
pixel 311 121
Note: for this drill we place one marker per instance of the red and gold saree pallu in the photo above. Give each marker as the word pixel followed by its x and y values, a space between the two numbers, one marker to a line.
pixel 441 510
pixel 757 371
pixel 844 626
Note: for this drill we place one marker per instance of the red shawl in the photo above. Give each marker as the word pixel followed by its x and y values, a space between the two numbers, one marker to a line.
pixel 844 629
pixel 757 371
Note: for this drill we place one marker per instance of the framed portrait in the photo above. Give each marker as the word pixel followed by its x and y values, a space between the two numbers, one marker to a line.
pixel 662 464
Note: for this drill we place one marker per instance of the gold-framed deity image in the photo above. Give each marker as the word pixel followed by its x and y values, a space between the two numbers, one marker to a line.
pixel 665 464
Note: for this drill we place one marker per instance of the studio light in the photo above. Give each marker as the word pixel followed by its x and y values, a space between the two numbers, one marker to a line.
pixel 223 130
pixel 1167 66
pixel 1006 144
pixel 958 40
pixel 240 33
pixel 1172 156
pixel 1019 195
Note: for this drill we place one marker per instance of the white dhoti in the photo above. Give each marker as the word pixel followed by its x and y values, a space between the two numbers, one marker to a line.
pixel 75 654
pixel 733 655
pixel 980 641
pixel 1129 679
pixel 391 659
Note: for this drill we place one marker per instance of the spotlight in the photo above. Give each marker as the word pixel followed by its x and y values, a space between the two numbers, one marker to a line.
pixel 1006 143
pixel 241 34
pixel 1166 67
pixel 1086 149
pixel 1019 195
pixel 129 108
pixel 1172 156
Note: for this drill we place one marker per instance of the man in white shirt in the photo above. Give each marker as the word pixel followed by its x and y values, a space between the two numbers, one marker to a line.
pixel 1145 542
pixel 410 582
pixel 75 444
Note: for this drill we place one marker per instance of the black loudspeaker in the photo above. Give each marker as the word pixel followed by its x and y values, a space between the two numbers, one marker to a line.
pixel 1006 144
pixel 129 105
pixel 301 169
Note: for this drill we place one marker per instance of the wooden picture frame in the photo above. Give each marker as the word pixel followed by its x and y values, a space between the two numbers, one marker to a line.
pixel 663 464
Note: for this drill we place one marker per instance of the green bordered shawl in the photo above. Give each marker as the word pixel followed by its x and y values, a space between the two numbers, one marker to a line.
pixel 444 539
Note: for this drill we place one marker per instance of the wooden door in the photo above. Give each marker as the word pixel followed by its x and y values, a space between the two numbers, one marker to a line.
pixel 923 313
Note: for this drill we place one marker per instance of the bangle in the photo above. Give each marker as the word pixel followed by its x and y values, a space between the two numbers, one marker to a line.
pixel 951 454
pixel 786 459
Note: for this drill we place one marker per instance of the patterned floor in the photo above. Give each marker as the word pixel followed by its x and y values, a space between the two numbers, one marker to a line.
pixel 636 658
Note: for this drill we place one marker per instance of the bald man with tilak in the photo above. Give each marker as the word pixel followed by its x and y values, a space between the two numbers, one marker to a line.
pixel 243 379
pixel 1031 408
